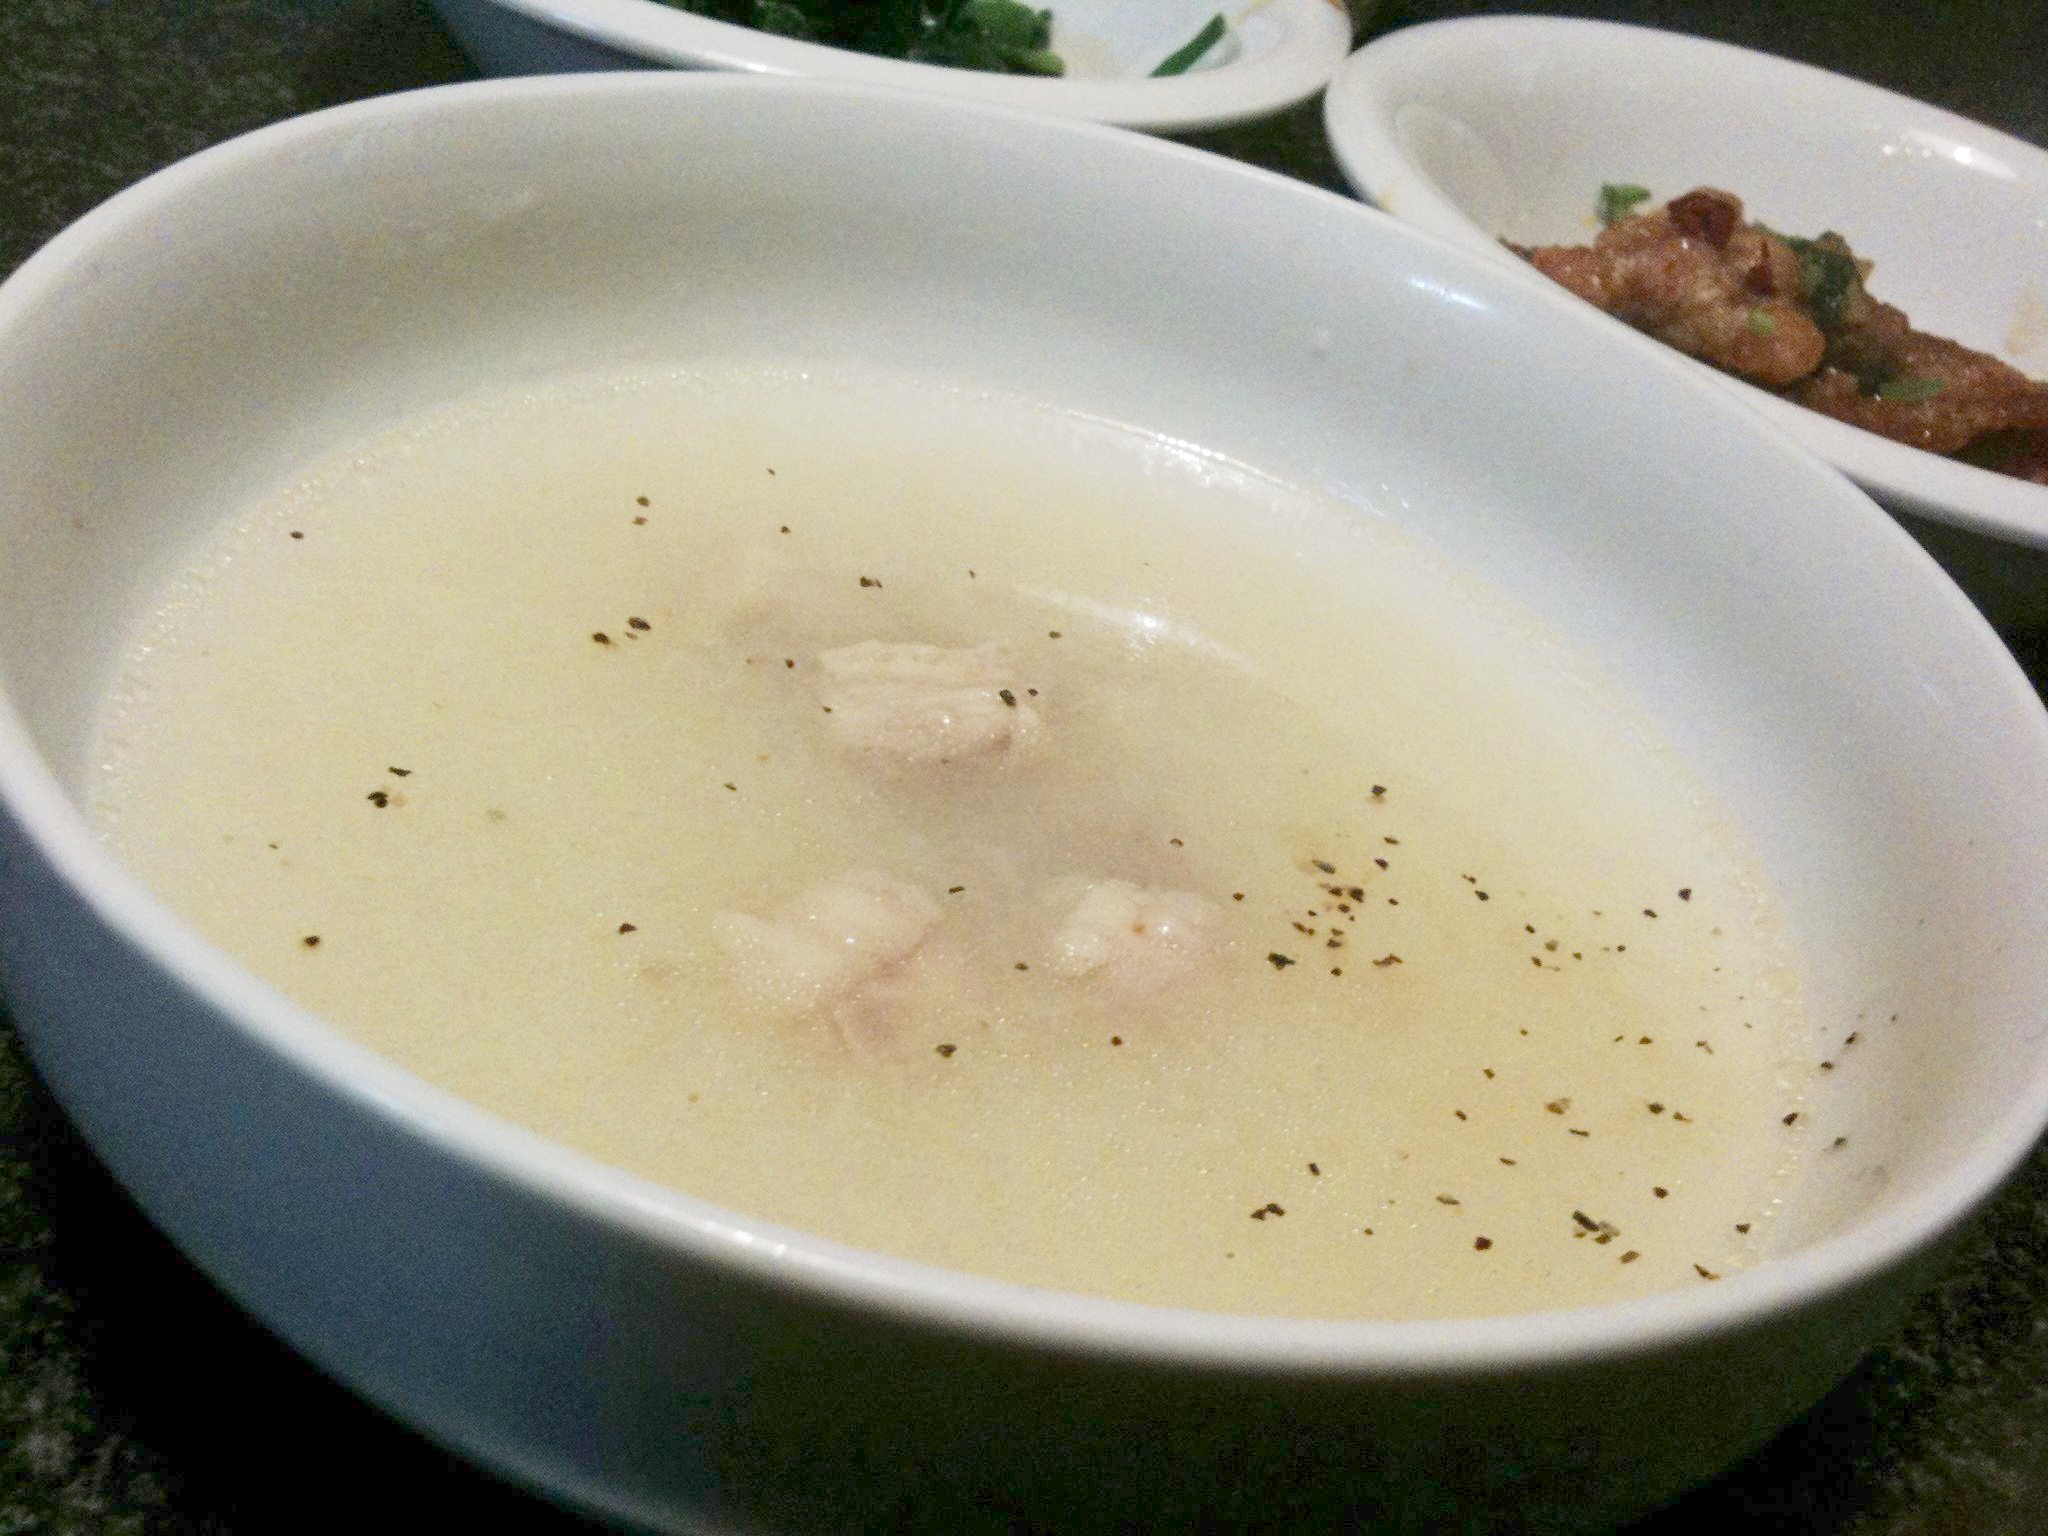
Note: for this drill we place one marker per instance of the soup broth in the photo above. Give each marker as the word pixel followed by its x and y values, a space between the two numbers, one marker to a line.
pixel 976 832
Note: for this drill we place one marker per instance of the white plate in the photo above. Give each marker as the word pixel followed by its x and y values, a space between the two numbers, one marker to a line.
pixel 1505 127
pixel 1276 54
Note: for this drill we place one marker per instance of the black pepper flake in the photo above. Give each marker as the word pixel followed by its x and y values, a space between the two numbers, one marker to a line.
pixel 1630 1257
pixel 1685 893
pixel 629 927
pixel 1649 911
pixel 1382 863
pixel 1459 1113
pixel 642 501
pixel 1585 1221
pixel 1558 1106
pixel 1839 1141
pixel 1268 1209
pixel 1378 790
pixel 1507 1162
pixel 1482 1243
pixel 1325 866
pixel 733 787
pixel 638 623
pixel 946 1050
pixel 1052 634
pixel 784 528
pixel 1482 895
pixel 311 941
pixel 298 533
pixel 1315 1169
pixel 1020 966
pixel 1656 1108
pixel 869 581
pixel 1336 970
pixel 1386 960
pixel 1705 1273
pixel 1790 1119
pixel 1279 961
pixel 378 798
pixel 1853 1036
pixel 1007 697
pixel 1176 842
pixel 1446 1199
pixel 1237 895
pixel 639 522
pixel 955 890
pixel 1577 1132
pixel 402 773
pixel 1681 1116
pixel 1742 1226
pixel 1659 1191
pixel 1355 892
pixel 1302 928
pixel 1116 1039
pixel 789 663
pixel 600 637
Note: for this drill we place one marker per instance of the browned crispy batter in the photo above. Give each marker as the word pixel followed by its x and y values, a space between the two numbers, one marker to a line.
pixel 1793 316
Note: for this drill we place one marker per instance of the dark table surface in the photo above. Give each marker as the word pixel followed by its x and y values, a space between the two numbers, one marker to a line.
pixel 134 1397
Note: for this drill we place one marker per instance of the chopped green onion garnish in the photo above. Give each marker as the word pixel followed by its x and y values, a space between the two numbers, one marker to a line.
pixel 1908 391
pixel 1618 199
pixel 1761 322
pixel 1179 61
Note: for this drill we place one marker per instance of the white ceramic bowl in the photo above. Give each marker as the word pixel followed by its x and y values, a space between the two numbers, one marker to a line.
pixel 1505 127
pixel 1277 53
pixel 640 1353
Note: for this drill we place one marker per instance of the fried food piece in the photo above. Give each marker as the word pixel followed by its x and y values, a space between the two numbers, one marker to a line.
pixel 1794 316
pixel 1696 277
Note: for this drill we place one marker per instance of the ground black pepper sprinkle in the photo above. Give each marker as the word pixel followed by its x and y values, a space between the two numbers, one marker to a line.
pixel 1507 1162
pixel 955 890
pixel 311 941
pixel 1789 1119
pixel 378 798
pixel 637 623
pixel 1577 1132
pixel 1558 1106
pixel 1630 1257
pixel 1268 1209
pixel 600 637
pixel 869 581
pixel 629 927
pixel 946 1050
pixel 1705 1273
pixel 1279 961
pixel 1446 1199
pixel 639 522
pixel 298 533
pixel 1659 1191
pixel 1237 895
pixel 1325 866
pixel 1585 1221
pixel 1020 966
pixel 403 773
pixel 1315 1169
pixel 1742 1226
pixel 1007 697
pixel 1482 1243
pixel 1116 1039
pixel 1386 960
pixel 1052 634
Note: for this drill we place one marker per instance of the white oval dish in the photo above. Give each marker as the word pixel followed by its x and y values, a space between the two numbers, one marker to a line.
pixel 1276 54
pixel 1490 128
pixel 637 1352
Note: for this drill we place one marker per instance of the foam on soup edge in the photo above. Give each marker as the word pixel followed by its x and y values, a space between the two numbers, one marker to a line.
pixel 972 831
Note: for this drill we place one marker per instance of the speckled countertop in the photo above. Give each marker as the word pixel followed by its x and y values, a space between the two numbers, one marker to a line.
pixel 134 1397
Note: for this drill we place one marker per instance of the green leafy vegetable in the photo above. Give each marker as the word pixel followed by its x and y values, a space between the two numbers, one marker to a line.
pixel 1190 52
pixel 1828 279
pixel 1003 36
pixel 1619 199
pixel 1908 391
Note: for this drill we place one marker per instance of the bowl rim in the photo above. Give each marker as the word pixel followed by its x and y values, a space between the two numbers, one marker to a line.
pixel 687 1228
pixel 1373 86
pixel 1314 38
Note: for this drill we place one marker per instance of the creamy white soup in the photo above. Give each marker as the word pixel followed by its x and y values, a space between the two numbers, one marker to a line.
pixel 972 831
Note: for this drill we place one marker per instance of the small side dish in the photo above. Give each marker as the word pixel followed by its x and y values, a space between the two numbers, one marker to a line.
pixel 1795 316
